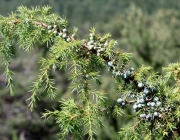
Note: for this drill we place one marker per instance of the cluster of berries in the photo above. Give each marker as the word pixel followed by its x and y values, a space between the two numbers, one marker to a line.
pixel 146 101
pixel 97 44
pixel 121 102
pixel 61 33
pixel 125 75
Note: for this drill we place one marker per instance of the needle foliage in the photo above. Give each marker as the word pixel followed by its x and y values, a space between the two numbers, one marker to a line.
pixel 153 97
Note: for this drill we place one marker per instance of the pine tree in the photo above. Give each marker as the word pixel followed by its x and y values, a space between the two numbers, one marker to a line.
pixel 153 97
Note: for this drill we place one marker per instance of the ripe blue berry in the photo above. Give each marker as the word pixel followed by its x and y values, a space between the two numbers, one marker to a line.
pixel 139 105
pixel 133 96
pixel 64 30
pixel 143 115
pixel 64 35
pixel 102 49
pixel 55 32
pixel 140 84
pixel 142 101
pixel 110 63
pixel 156 99
pixel 55 26
pixel 149 117
pixel 146 91
pixel 98 54
pixel 156 114
pixel 128 73
pixel 131 69
pixel 49 27
pixel 119 100
pixel 90 47
pixel 91 34
pixel 153 104
pixel 105 44
pixel 154 89
pixel 60 34
pixel 158 103
pixel 91 38
pixel 91 42
pixel 149 104
pixel 49 31
pixel 123 103
pixel 135 106
pixel 68 39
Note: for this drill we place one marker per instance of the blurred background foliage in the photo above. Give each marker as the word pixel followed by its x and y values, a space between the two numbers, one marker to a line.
pixel 149 29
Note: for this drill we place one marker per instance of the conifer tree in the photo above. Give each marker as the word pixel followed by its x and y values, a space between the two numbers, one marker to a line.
pixel 153 97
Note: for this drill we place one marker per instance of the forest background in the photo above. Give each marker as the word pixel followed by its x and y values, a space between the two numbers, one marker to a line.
pixel 149 29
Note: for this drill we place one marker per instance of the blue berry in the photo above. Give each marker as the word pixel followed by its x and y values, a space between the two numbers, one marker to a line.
pixel 55 32
pixel 110 63
pixel 91 34
pixel 131 69
pixel 91 42
pixel 133 96
pixel 64 35
pixel 49 31
pixel 90 47
pixel 140 85
pixel 119 100
pixel 55 26
pixel 102 49
pixel 149 117
pixel 135 106
pixel 123 103
pixel 153 104
pixel 156 114
pixel 146 91
pixel 158 103
pixel 142 101
pixel 49 27
pixel 156 99
pixel 64 30
pixel 154 89
pixel 68 39
pixel 91 38
pixel 106 44
pixel 139 105
pixel 60 34
pixel 143 115
pixel 162 109
pixel 128 73
pixel 149 104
